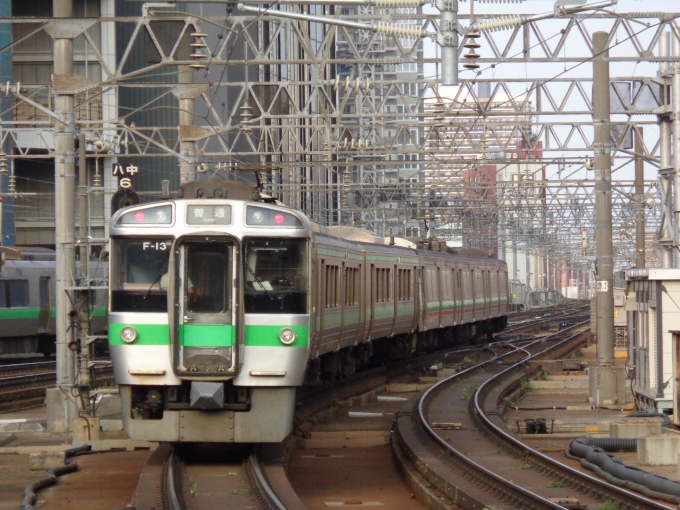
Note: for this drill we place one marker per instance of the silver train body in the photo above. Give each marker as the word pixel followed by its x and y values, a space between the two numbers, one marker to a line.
pixel 27 310
pixel 220 309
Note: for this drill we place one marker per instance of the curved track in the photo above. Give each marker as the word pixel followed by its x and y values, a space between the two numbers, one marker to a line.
pixel 537 481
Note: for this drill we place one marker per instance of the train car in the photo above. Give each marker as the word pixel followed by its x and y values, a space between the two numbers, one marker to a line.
pixel 221 305
pixel 27 311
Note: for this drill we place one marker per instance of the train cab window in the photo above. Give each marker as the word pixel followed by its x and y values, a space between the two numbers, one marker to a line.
pixel 139 279
pixel 275 275
pixel 13 293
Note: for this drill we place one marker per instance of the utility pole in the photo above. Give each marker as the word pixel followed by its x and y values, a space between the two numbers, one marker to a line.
pixel 64 211
pixel 607 381
pixel 639 199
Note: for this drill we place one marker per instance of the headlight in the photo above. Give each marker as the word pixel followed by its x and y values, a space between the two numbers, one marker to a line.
pixel 287 336
pixel 128 334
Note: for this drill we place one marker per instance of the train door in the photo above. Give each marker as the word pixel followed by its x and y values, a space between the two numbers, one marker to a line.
pixel 45 315
pixel 206 339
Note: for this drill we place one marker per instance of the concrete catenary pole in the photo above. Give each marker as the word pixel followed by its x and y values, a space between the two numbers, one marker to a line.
pixel 64 213
pixel 606 381
pixel 448 40
pixel 603 201
pixel 665 235
pixel 639 199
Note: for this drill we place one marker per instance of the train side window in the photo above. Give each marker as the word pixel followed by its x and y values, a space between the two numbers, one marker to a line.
pixel 332 286
pixel 13 293
pixel 384 285
pixel 404 282
pixel 351 286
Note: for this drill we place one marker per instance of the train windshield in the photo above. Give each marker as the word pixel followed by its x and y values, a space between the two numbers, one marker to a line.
pixel 139 279
pixel 275 274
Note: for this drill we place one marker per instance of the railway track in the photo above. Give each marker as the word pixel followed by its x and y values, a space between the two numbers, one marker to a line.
pixel 482 463
pixel 208 477
pixel 195 478
pixel 23 385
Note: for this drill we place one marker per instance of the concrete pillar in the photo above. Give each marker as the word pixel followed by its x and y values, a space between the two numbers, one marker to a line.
pixel 64 190
pixel 606 380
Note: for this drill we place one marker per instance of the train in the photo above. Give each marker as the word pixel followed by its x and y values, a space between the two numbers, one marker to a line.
pixel 223 302
pixel 27 283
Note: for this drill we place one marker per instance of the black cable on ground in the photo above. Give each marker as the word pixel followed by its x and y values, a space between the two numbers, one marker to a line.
pixel 592 456
pixel 52 474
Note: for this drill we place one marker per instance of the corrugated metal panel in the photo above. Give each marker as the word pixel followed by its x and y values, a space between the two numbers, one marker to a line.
pixel 7 228
pixel 164 113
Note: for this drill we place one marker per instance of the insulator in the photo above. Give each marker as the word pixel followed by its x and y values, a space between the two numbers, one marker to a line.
pixel 202 168
pixel 197 56
pixel 500 23
pixel 198 45
pixel 397 3
pixel 199 34
pixel 97 181
pixel 471 65
pixel 473 35
pixel 471 54
pixel 197 66
pixel 246 112
pixel 398 29
pixel 472 44
pixel 101 146
pixel 500 1
pixel 12 183
pixel 3 163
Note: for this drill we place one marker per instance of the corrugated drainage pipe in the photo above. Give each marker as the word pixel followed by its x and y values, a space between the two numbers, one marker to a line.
pixel 593 457
pixel 51 476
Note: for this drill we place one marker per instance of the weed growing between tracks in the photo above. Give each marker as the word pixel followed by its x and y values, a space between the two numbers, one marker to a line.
pixel 609 505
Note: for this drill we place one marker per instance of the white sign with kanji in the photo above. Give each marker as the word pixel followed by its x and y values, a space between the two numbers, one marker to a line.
pixel 125 174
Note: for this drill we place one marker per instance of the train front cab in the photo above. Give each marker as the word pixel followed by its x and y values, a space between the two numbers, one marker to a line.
pixel 209 333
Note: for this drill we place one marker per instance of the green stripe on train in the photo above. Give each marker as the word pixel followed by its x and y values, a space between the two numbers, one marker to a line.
pixel 34 313
pixel 207 335
pixel 268 336
pixel 19 313
pixel 256 336
pixel 147 334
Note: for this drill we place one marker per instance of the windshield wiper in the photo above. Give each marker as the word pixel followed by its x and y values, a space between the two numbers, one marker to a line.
pixel 163 271
pixel 259 281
